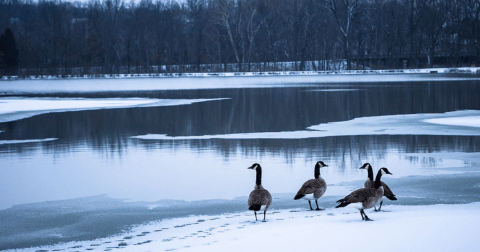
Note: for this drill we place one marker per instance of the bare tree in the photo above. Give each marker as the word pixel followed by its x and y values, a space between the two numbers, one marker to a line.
pixel 345 13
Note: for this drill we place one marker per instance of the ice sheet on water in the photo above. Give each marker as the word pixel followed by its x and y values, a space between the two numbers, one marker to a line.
pixel 470 121
pixel 16 108
pixel 335 90
pixel 2 142
pixel 450 123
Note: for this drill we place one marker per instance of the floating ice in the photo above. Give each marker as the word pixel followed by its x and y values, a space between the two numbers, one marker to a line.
pixel 17 108
pixel 453 123
pixel 470 121
pixel 2 142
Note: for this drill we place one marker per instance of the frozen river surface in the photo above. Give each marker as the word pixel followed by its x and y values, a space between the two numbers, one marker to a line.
pixel 87 159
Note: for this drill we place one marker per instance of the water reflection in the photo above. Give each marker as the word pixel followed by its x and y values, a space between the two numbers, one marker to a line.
pixel 195 170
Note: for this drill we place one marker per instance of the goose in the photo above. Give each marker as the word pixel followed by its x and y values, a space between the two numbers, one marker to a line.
pixel 365 197
pixel 259 196
pixel 313 189
pixel 369 183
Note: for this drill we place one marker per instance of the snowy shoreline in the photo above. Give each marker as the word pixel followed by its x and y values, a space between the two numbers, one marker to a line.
pixel 403 228
pixel 464 70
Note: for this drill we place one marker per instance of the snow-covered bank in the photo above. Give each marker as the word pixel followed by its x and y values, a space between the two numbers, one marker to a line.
pixel 401 228
pixel 461 123
pixel 17 108
pixel 473 70
pixel 205 81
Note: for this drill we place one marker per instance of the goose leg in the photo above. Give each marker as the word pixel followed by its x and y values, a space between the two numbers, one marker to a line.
pixel 311 208
pixel 255 215
pixel 366 217
pixel 264 213
pixel 361 214
pixel 318 208
pixel 381 202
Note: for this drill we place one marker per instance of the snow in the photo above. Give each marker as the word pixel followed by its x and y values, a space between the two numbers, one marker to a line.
pixel 2 142
pixel 196 81
pixel 399 228
pixel 16 108
pixel 411 124
pixel 468 70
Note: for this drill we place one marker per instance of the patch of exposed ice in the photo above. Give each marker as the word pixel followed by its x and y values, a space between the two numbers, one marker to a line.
pixel 470 121
pixel 2 142
pixel 412 124
pixel 334 90
pixel 16 108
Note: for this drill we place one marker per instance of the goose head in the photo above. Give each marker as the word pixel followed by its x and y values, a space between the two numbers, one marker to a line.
pixel 321 164
pixel 384 171
pixel 365 166
pixel 255 166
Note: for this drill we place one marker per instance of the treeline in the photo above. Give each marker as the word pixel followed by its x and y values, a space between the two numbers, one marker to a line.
pixel 116 36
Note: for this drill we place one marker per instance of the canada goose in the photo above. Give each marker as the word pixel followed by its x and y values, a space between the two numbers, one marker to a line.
pixel 313 189
pixel 259 196
pixel 365 197
pixel 369 183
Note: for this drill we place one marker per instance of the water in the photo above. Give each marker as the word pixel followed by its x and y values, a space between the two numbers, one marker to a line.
pixel 96 180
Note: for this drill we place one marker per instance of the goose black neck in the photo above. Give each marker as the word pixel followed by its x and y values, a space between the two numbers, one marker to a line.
pixel 259 175
pixel 370 173
pixel 317 171
pixel 377 179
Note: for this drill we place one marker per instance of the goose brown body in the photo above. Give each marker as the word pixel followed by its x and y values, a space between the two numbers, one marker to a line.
pixel 313 189
pixel 259 197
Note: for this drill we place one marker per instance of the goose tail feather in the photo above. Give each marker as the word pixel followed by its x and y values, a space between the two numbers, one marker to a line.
pixel 391 197
pixel 343 204
pixel 255 207
pixel 299 196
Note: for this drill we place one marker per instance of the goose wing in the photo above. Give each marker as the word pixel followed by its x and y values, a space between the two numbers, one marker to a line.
pixel 311 186
pixel 359 195
pixel 387 192
pixel 260 197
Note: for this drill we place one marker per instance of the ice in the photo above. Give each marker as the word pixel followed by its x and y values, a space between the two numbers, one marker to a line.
pixel 2 142
pixel 452 124
pixel 401 228
pixel 335 90
pixel 470 121
pixel 16 108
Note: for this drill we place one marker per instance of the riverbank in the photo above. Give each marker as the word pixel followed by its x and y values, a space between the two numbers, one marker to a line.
pixel 462 70
pixel 399 228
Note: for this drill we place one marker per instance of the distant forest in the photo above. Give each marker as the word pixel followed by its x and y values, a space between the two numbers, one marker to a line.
pixel 117 36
